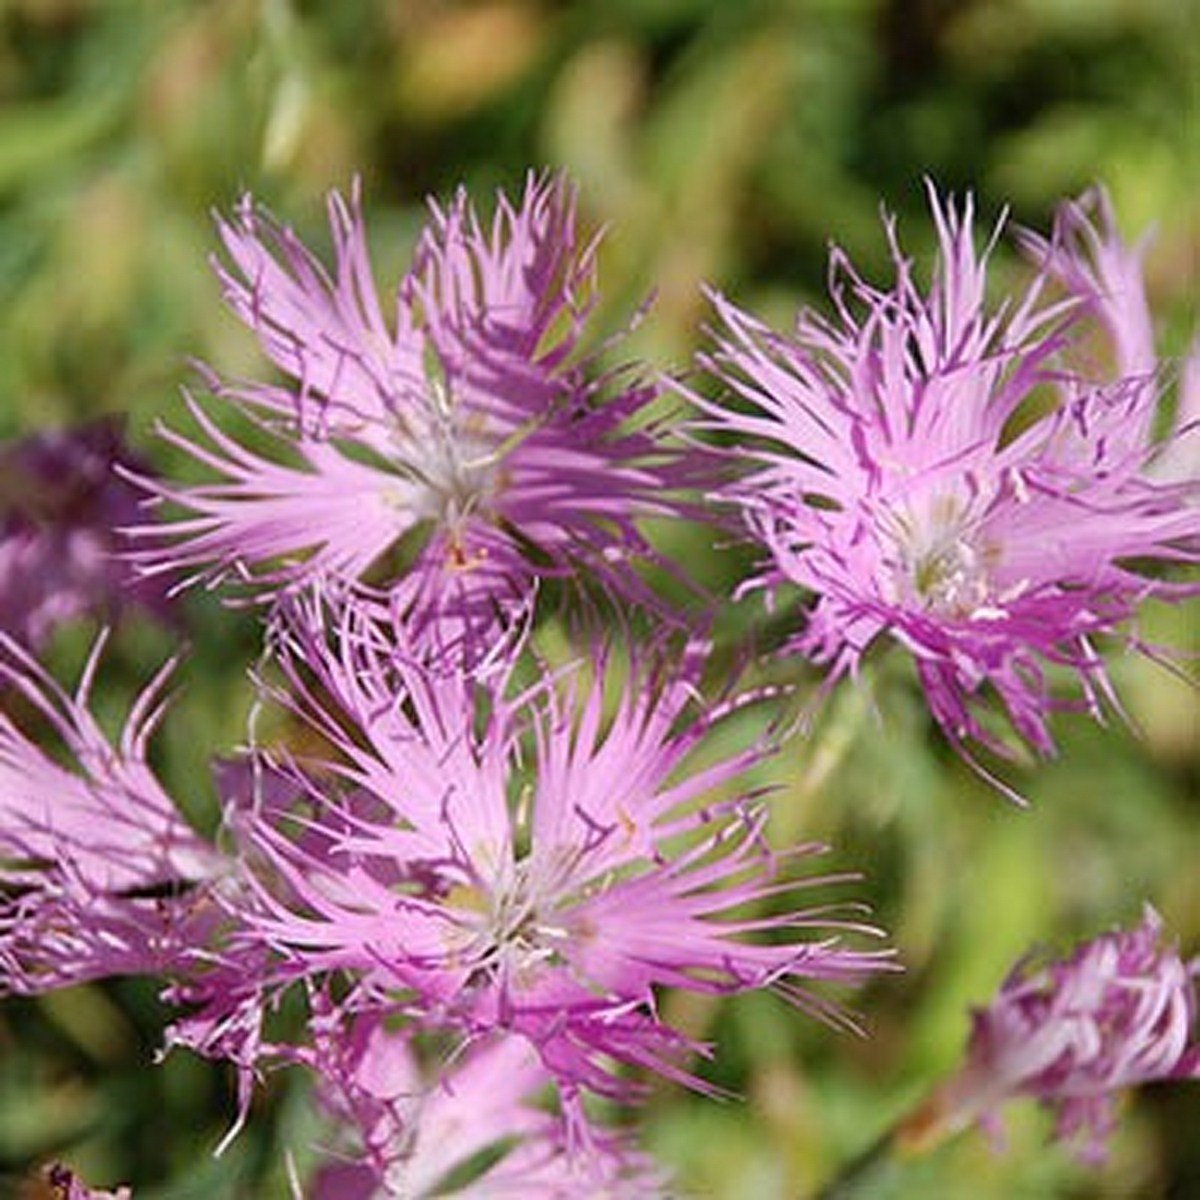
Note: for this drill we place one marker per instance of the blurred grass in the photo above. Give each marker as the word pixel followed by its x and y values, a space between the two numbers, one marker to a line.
pixel 719 141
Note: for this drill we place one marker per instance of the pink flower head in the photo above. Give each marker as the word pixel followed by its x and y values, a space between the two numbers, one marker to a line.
pixel 61 509
pixel 536 864
pixel 422 1127
pixel 94 858
pixel 1120 1011
pixel 906 469
pixel 465 432
pixel 1090 260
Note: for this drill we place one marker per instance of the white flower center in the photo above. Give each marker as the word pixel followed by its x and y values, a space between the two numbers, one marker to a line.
pixel 454 462
pixel 950 578
pixel 944 564
pixel 506 926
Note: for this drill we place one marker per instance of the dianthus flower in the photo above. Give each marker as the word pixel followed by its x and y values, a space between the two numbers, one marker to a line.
pixel 95 861
pixel 100 875
pixel 936 471
pixel 422 1127
pixel 61 509
pixel 535 864
pixel 1119 1012
pixel 1087 257
pixel 465 433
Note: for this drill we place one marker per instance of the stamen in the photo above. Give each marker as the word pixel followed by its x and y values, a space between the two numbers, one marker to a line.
pixel 944 562
pixel 452 460
pixel 513 924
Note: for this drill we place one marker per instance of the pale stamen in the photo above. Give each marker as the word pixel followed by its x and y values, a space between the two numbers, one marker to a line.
pixel 944 562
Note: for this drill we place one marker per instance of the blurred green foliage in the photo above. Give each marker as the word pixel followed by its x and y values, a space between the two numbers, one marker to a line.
pixel 720 140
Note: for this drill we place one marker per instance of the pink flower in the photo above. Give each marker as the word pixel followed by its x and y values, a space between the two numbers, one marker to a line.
pixel 61 510
pixel 464 435
pixel 1119 1012
pixel 538 864
pixel 1089 259
pixel 1086 255
pixel 905 470
pixel 102 876
pixel 95 860
pixel 420 1128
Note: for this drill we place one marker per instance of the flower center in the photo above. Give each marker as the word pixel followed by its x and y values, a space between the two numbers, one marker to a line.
pixel 457 467
pixel 943 566
pixel 950 578
pixel 505 925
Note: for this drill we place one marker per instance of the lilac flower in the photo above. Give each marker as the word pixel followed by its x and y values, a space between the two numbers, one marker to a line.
pixel 1119 1012
pixel 531 864
pixel 94 858
pixel 61 509
pixel 906 470
pixel 420 1130
pixel 466 431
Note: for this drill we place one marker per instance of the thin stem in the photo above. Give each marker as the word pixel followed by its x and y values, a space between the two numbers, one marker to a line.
pixel 861 1169
pixel 935 1120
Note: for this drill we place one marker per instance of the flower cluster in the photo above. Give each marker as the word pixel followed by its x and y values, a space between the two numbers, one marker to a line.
pixel 524 872
pixel 477 867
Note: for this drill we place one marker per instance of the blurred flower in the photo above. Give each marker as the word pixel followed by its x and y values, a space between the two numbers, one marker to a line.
pixel 1120 1011
pixel 1086 255
pixel 466 435
pixel 537 864
pixel 421 1131
pixel 61 509
pixel 95 861
pixel 1179 458
pixel 933 471
pixel 64 1184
